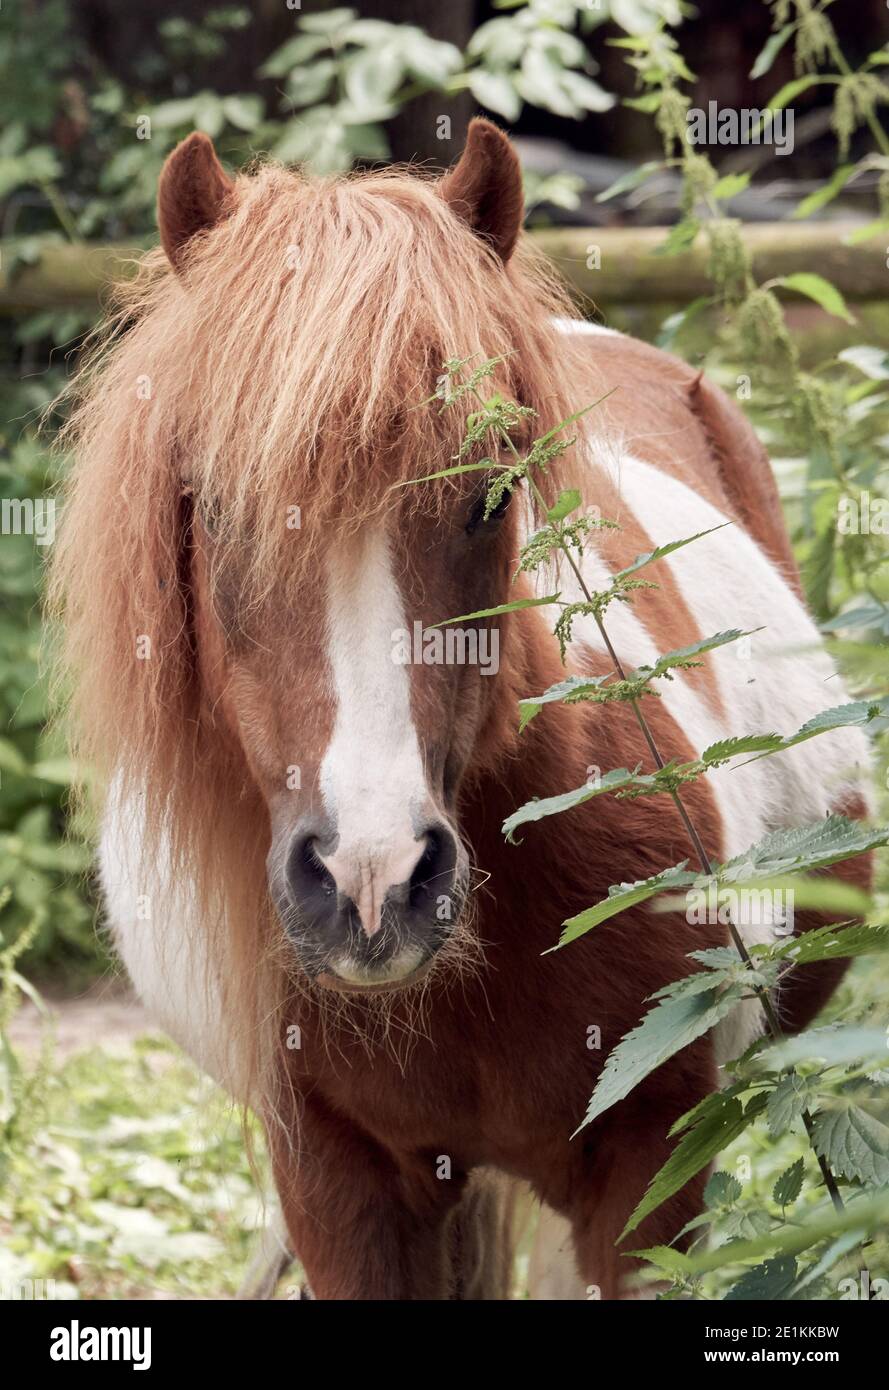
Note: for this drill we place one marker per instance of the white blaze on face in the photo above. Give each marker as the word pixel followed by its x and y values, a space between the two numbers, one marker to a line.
pixel 371 777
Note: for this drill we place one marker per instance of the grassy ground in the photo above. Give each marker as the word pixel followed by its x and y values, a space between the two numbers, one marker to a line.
pixel 131 1180
pixel 129 1177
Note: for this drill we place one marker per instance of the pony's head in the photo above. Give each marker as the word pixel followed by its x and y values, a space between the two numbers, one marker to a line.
pixel 254 579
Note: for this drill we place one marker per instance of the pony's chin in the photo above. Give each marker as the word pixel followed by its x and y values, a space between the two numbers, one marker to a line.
pixel 346 978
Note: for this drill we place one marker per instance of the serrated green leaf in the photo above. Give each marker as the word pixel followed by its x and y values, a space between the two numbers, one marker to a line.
pixel 790 1184
pixel 833 1046
pixel 574 687
pixel 627 182
pixel 682 657
pixel 805 847
pixel 855 715
pixel 722 1122
pixel 650 556
pixel 781 852
pixel 831 942
pixel 770 50
pixel 722 1190
pixel 786 1104
pixel 553 805
pixel 745 1223
pixel 622 896
pixel 820 290
pixel 514 607
pixel 710 1105
pixel 739 744
pixel 863 1215
pixel 665 1030
pixel 772 1280
pixel 854 1143
pixel 701 980
pixel 571 686
pixel 566 503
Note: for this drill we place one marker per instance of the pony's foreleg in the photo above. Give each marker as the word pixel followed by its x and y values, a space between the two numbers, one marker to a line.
pixel 628 1150
pixel 362 1225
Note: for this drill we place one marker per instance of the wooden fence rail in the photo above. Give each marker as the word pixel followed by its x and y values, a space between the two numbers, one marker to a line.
pixel 609 265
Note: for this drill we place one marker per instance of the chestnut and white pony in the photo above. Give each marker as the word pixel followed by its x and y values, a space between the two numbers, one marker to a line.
pixel 302 856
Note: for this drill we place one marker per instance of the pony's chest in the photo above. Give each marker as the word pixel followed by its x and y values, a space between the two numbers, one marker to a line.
pixel 474 1095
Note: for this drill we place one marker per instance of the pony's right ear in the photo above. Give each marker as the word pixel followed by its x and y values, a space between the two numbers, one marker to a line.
pixel 485 187
pixel 194 192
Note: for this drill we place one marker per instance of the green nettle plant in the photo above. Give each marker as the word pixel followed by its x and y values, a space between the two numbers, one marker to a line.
pixel 834 413
pixel 808 1078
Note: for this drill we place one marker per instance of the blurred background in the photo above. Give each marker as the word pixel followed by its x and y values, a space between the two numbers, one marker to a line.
pixel 120 1172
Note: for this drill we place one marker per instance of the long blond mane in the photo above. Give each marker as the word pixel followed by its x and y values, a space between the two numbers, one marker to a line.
pixel 285 368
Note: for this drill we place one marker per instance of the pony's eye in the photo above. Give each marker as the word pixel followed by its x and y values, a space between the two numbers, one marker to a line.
pixel 477 515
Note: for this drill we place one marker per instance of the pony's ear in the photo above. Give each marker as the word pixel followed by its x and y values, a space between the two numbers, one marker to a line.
pixel 485 187
pixel 193 193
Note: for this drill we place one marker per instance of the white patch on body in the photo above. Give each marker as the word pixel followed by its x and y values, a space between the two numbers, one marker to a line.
pixel 164 944
pixel 583 326
pixel 782 678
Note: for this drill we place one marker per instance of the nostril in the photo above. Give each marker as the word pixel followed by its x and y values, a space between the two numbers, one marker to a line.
pixel 306 873
pixel 434 871
pixel 314 866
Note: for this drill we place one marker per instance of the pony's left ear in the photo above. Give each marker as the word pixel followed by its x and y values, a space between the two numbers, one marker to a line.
pixel 194 192
pixel 485 187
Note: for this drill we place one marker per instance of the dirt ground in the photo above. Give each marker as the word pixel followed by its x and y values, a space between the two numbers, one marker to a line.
pixel 104 1015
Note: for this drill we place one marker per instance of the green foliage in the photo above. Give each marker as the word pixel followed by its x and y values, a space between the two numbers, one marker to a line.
pixel 801 849
pixel 665 1030
pixel 42 866
pixel 854 1143
pixel 789 1185
pixel 130 1179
